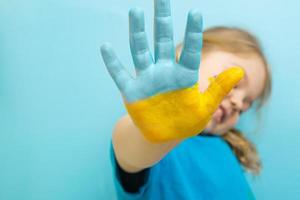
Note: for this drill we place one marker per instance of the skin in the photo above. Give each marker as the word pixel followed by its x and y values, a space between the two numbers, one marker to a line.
pixel 132 150
pixel 242 96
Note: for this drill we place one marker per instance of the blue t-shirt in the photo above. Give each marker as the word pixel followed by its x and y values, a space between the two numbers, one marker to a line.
pixel 201 167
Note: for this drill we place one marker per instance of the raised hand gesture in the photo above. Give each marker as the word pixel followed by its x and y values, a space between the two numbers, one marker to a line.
pixel 164 99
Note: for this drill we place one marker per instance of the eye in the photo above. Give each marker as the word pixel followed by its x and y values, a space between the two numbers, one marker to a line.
pixel 236 86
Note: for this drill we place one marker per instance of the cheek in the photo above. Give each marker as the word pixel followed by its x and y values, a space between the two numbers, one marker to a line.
pixel 203 84
pixel 232 121
pixel 206 71
pixel 204 75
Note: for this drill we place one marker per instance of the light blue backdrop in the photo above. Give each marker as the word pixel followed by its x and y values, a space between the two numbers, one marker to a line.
pixel 58 104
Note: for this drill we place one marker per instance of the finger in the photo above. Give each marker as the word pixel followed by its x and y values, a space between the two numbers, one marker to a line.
pixel 191 51
pixel 163 31
pixel 115 68
pixel 138 41
pixel 222 85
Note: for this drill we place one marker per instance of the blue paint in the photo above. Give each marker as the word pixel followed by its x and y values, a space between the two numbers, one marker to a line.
pixel 161 74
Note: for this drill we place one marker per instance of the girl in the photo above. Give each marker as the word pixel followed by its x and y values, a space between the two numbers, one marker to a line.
pixel 207 166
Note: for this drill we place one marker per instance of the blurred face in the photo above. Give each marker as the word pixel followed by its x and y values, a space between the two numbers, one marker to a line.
pixel 241 97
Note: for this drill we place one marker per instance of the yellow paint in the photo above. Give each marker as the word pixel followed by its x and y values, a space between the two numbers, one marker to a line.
pixel 184 112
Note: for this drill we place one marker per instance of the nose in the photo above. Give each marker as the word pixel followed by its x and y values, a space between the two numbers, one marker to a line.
pixel 236 100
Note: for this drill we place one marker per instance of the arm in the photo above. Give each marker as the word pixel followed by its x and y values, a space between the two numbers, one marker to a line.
pixel 133 151
pixel 164 102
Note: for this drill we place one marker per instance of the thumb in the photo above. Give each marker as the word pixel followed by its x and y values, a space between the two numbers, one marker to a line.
pixel 223 83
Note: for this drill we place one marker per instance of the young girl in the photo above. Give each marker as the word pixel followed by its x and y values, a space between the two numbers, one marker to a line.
pixel 207 166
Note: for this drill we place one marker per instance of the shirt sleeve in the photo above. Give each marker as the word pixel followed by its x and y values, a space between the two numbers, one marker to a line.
pixel 129 185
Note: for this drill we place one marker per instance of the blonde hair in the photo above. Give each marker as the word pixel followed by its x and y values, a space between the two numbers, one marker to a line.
pixel 243 44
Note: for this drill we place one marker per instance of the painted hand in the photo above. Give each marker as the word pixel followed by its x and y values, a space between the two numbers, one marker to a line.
pixel 164 99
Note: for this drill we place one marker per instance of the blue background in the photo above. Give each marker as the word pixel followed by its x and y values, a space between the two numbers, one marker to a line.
pixel 58 103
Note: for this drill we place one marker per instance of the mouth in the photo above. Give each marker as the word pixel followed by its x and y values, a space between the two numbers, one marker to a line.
pixel 220 114
pixel 224 112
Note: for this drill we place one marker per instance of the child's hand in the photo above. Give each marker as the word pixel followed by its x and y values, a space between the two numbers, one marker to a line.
pixel 164 99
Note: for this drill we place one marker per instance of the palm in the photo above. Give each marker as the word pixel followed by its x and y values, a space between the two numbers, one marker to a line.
pixel 163 99
pixel 159 78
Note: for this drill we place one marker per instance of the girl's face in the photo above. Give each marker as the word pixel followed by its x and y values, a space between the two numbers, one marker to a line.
pixel 241 97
